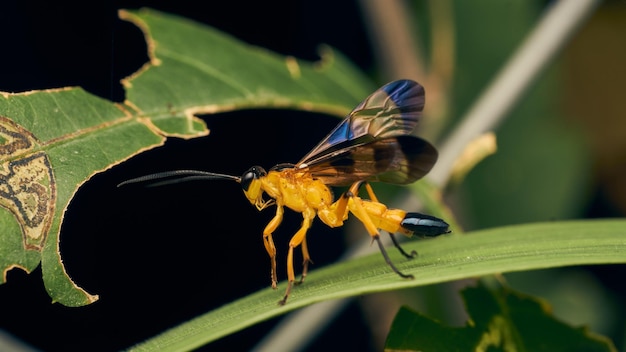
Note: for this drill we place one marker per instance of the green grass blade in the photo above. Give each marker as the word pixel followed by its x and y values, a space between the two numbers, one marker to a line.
pixel 451 257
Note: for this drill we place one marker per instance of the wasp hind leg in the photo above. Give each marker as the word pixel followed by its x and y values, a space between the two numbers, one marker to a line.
pixel 388 260
pixel 357 209
pixel 372 196
pixel 413 253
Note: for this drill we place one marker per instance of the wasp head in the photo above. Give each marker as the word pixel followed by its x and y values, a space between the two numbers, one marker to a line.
pixel 253 187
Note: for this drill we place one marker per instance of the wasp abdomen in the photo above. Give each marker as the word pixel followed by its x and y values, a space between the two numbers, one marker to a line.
pixel 424 225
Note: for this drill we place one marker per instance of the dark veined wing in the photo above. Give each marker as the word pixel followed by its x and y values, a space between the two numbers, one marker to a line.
pixel 373 142
pixel 392 110
pixel 398 160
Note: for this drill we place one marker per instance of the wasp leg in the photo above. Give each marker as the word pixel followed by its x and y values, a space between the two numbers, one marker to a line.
pixel 354 205
pixel 306 259
pixel 370 193
pixel 397 244
pixel 295 241
pixel 388 260
pixel 336 213
pixel 268 241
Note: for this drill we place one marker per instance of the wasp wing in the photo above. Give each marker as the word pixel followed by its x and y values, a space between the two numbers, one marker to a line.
pixel 398 160
pixel 393 110
pixel 373 142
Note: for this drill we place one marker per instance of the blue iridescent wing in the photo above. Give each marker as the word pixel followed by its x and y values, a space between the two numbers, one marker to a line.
pixel 373 142
pixel 392 110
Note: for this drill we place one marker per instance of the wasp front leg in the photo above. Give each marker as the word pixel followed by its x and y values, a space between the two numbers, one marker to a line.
pixel 298 239
pixel 268 241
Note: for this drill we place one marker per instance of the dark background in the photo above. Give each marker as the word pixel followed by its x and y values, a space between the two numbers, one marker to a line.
pixel 160 257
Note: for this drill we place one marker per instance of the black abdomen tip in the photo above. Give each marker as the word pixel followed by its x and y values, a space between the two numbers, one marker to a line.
pixel 425 225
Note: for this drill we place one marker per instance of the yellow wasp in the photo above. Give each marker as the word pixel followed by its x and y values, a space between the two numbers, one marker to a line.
pixel 373 143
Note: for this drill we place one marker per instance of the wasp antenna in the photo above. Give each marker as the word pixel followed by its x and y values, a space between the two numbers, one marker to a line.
pixel 178 176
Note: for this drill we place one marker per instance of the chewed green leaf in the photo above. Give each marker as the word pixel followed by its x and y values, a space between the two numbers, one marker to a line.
pixel 501 320
pixel 196 69
pixel 53 141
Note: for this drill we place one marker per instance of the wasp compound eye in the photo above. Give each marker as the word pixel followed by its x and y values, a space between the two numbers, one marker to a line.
pixel 424 225
pixel 253 173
